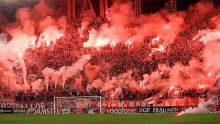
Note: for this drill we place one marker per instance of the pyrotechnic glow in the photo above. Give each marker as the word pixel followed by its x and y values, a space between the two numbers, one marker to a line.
pixel 128 42
pixel 203 40
pixel 172 87
pixel 217 33
pixel 25 81
pixel 194 38
pixel 176 92
pixel 161 48
pixel 31 43
pixel 167 27
pixel 50 34
pixel 201 86
pixel 107 11
pixel 112 43
pixel 155 39
pixel 20 55
pixel 140 85
pixel 102 42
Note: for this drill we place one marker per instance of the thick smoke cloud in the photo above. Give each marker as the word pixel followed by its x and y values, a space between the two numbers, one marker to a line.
pixel 116 44
pixel 65 72
pixel 165 31
pixel 202 108
pixel 29 21
pixel 123 15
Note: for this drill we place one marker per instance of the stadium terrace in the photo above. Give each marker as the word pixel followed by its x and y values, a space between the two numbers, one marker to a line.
pixel 119 61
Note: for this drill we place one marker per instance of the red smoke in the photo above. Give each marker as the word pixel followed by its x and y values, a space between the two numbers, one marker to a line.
pixel 131 53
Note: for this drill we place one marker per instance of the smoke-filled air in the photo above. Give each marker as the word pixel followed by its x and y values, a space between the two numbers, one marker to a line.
pixel 124 55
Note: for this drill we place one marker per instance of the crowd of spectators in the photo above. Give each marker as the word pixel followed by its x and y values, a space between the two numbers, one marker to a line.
pixel 69 49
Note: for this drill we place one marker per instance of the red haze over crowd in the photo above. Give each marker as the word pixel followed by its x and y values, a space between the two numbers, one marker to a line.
pixel 125 52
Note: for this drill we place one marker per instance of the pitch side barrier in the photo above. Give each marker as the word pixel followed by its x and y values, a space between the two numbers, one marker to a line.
pixel 45 107
pixel 158 109
pixel 95 105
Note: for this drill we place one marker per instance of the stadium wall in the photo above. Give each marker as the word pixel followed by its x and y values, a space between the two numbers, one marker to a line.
pixel 108 107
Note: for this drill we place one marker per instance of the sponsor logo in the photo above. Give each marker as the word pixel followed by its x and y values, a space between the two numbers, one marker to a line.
pixel 158 109
pixel 19 111
pixel 144 110
pixel 93 111
pixel 31 108
pixel 40 111
pixel 31 111
pixel 65 110
pixel 120 111
pixel 6 111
